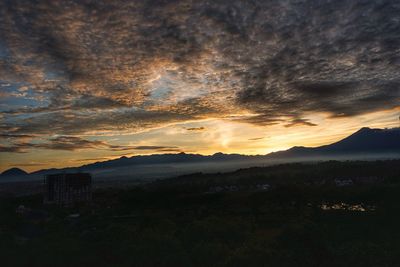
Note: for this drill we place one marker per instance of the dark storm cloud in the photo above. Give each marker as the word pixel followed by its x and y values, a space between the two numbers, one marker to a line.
pixel 133 65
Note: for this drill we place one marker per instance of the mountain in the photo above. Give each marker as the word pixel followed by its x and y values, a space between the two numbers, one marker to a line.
pixel 152 159
pixel 14 172
pixel 364 141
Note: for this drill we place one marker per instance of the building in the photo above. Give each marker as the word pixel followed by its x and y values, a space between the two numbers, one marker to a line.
pixel 68 188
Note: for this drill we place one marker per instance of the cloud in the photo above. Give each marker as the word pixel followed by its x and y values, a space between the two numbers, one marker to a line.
pixel 74 143
pixel 68 143
pixel 154 147
pixel 127 66
pixel 12 149
pixel 70 122
pixel 170 150
pixel 299 121
pixel 196 128
pixel 17 136
pixel 255 138
pixel 91 159
pixel 31 164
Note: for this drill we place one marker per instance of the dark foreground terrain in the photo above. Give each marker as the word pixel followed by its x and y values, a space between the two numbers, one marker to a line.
pixel 325 214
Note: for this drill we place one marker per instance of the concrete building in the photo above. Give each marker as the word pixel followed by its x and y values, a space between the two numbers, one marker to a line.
pixel 68 188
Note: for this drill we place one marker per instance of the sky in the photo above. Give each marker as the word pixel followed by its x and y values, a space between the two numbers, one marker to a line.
pixel 85 81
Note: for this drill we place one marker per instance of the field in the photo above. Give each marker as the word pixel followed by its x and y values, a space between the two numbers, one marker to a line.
pixel 285 215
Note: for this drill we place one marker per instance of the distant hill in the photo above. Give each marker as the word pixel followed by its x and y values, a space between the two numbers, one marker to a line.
pixel 14 172
pixel 365 140
pixel 363 143
pixel 152 159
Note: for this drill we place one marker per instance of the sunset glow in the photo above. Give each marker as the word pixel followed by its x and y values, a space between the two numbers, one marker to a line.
pixel 84 81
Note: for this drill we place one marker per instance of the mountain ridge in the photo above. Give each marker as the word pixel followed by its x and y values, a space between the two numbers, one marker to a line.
pixel 365 140
pixel 14 172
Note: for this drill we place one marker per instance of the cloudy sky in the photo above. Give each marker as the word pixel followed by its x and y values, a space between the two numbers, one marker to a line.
pixel 83 81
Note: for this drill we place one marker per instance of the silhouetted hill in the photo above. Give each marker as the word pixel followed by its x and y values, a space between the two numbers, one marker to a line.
pixel 163 159
pixel 366 140
pixel 13 172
